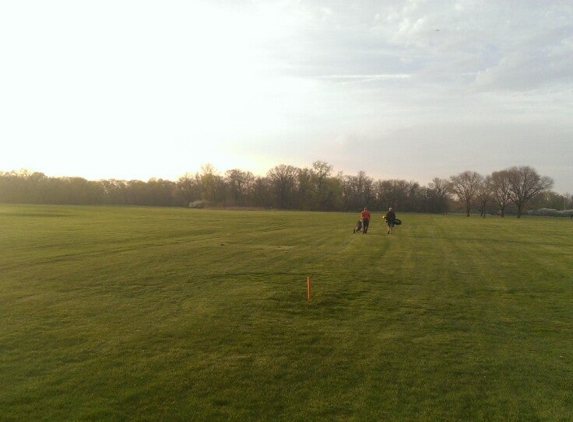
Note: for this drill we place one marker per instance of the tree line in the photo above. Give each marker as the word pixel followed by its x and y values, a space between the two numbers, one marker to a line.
pixel 317 188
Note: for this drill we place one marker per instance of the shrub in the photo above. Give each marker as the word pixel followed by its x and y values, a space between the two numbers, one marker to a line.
pixel 549 212
pixel 198 204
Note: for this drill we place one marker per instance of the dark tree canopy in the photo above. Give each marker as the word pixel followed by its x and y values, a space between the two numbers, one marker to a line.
pixel 314 188
pixel 525 184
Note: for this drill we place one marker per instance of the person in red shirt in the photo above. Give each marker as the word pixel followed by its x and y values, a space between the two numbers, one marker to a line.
pixel 365 216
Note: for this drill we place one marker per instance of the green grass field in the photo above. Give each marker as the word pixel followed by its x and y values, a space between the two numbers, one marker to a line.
pixel 114 314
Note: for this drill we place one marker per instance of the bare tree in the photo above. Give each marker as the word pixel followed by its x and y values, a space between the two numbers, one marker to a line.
pixel 290 187
pixel 438 195
pixel 439 185
pixel 283 179
pixel 357 191
pixel 321 172
pixel 499 187
pixel 262 192
pixel 567 201
pixel 483 196
pixel 305 191
pixel 466 186
pixel 551 200
pixel 189 188
pixel 212 185
pixel 525 184
pixel 239 185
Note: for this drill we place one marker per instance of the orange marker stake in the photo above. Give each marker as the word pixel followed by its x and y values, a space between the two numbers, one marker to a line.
pixel 308 288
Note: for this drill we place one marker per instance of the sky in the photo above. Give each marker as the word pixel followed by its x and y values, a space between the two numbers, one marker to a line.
pixel 411 90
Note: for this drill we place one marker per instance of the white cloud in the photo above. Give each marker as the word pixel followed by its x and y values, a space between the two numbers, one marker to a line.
pixel 157 89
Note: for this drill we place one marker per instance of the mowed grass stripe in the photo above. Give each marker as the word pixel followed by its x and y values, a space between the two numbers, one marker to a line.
pixel 172 314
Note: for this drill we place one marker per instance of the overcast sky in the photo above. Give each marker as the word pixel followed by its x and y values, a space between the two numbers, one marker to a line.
pixel 134 89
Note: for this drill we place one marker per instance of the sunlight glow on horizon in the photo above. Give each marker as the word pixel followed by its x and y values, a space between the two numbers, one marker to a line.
pixel 125 89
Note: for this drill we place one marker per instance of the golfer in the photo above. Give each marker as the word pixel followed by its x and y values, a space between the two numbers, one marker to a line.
pixel 390 219
pixel 365 216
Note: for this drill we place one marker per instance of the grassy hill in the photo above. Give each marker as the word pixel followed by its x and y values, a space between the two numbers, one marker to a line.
pixel 176 314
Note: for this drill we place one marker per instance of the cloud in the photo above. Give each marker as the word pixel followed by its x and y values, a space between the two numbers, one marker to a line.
pixel 530 68
pixel 287 82
pixel 362 78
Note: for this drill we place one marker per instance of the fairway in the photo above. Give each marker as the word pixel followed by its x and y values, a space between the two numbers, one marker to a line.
pixel 118 313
